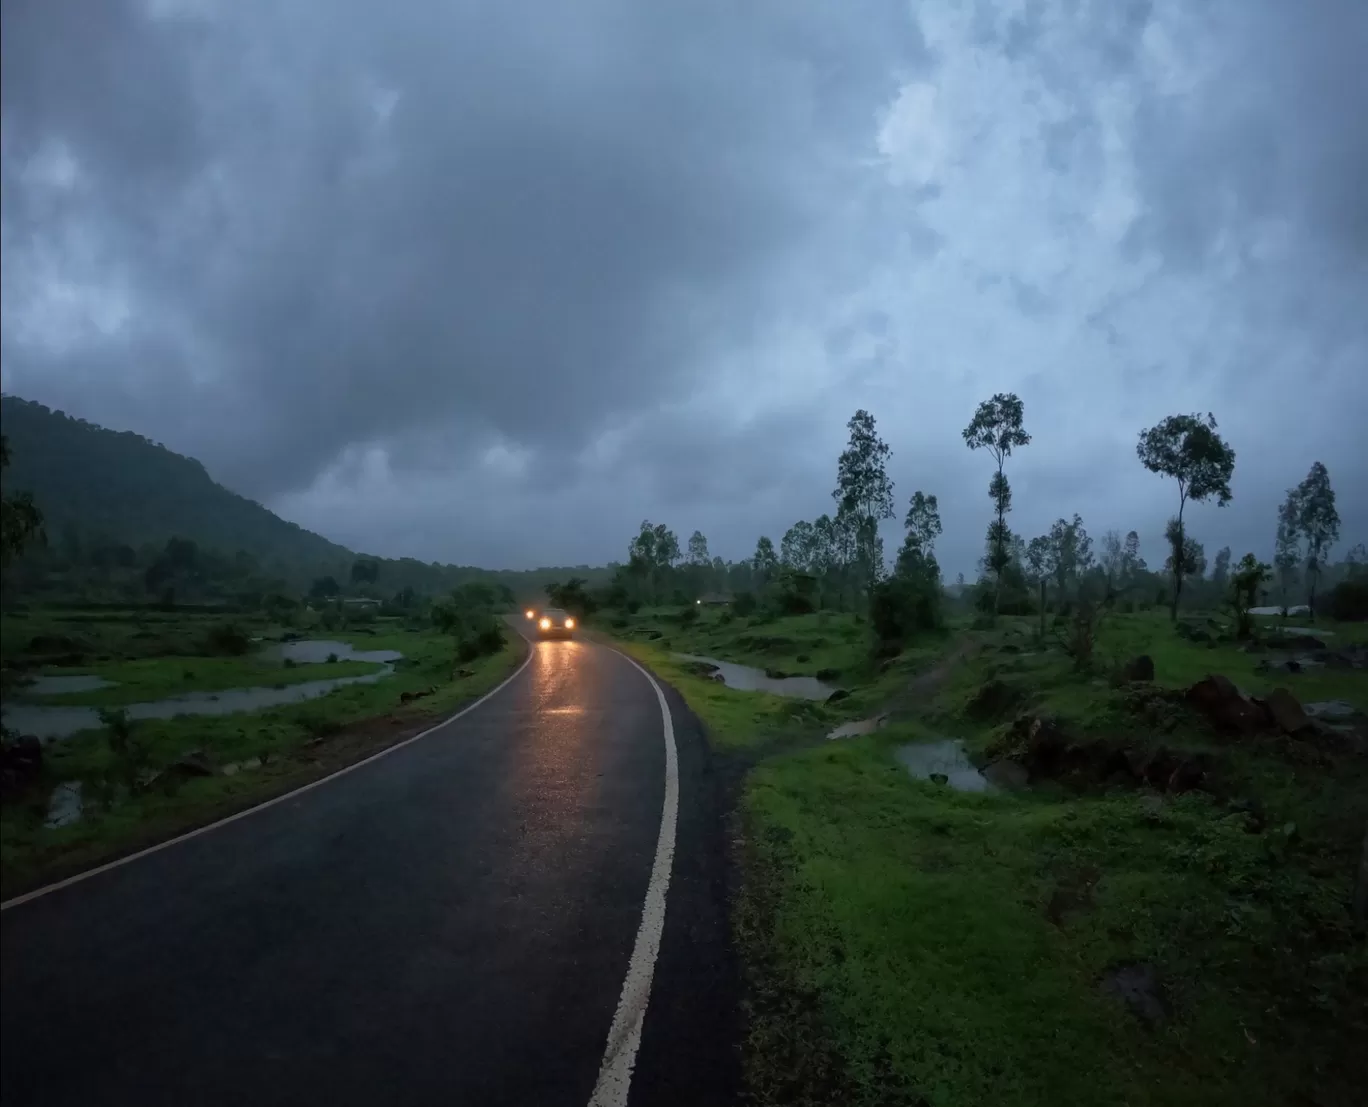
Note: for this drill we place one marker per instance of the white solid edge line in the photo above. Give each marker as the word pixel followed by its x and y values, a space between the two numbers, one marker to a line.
pixel 615 1074
pixel 118 861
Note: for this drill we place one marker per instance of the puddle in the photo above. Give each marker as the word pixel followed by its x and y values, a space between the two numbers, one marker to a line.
pixel 64 805
pixel 744 678
pixel 1314 631
pixel 944 758
pixel 859 727
pixel 315 651
pixel 1295 609
pixel 47 723
pixel 62 685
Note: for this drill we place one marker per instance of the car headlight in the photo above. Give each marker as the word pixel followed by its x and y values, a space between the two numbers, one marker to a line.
pixel 545 624
pixel 531 614
pixel 569 624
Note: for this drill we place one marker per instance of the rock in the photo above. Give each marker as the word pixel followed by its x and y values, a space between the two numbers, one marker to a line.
pixel 1010 776
pixel 827 674
pixel 1138 668
pixel 1137 985
pixel 1152 805
pixel 1225 706
pixel 776 674
pixel 938 778
pixel 21 765
pixel 1286 711
pixel 718 677
pixel 837 696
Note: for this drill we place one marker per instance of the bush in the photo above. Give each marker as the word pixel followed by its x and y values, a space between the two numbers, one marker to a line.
pixel 633 606
pixel 1348 600
pixel 227 640
pixel 482 642
pixel 900 607
pixel 745 603
pixel 688 616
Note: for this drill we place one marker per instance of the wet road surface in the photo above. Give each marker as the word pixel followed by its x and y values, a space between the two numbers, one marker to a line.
pixel 450 924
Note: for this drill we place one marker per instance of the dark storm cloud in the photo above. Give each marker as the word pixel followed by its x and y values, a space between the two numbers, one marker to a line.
pixel 343 223
pixel 497 273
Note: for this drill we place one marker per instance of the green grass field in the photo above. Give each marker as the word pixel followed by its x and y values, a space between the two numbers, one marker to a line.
pixel 908 944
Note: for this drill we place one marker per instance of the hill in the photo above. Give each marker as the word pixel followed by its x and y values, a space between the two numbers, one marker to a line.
pixel 99 487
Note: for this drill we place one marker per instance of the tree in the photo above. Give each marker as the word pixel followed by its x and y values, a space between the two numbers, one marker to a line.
pixel 1070 552
pixel 652 553
pixel 1039 561
pixel 1113 559
pixel 324 588
pixel 1188 449
pixel 765 561
pixel 1287 549
pixel 1248 578
pixel 1133 563
pixel 1186 557
pixel 1316 523
pixel 21 522
pixel 1220 570
pixel 864 491
pixel 917 558
pixel 572 596
pixel 797 547
pixel 997 428
pixel 468 617
pixel 365 570
pixel 698 549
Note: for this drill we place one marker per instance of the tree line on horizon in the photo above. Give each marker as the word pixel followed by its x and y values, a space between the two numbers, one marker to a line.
pixel 837 560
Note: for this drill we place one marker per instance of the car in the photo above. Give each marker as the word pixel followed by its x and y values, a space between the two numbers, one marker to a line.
pixel 555 623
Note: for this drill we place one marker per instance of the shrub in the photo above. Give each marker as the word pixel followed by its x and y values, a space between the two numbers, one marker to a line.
pixel 228 640
pixel 1348 600
pixel 688 616
pixel 745 603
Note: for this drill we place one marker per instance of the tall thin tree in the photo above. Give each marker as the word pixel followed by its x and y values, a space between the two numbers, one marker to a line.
pixel 997 428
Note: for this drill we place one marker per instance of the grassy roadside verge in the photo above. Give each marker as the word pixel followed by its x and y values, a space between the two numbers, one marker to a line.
pixel 275 751
pixel 908 944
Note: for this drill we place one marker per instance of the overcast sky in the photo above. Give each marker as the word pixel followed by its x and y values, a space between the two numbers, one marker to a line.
pixel 491 283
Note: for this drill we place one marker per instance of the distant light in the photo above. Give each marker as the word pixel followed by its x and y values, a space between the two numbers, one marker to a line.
pixel 530 613
pixel 698 601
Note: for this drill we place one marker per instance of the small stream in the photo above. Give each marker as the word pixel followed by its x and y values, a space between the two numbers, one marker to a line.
pixel 746 678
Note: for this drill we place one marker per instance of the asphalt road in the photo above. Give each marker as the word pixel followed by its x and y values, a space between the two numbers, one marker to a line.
pixel 452 923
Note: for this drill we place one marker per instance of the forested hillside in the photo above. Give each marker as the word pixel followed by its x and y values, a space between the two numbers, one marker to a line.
pixel 113 502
